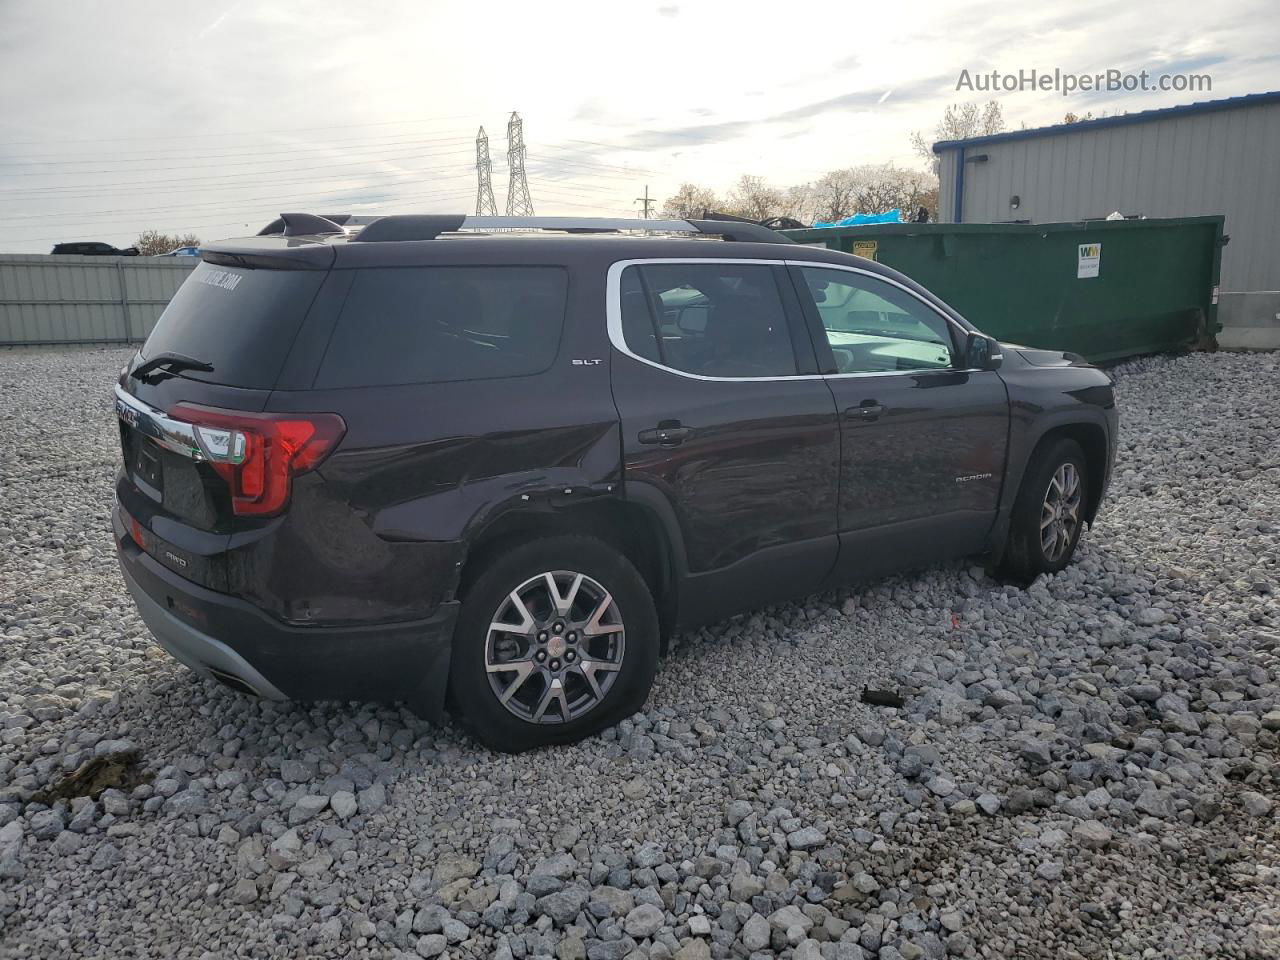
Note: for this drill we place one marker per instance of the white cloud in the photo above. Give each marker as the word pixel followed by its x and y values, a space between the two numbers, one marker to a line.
pixel 132 115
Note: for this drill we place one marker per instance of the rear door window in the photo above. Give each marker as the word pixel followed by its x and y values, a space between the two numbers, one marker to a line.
pixel 405 325
pixel 241 321
pixel 709 319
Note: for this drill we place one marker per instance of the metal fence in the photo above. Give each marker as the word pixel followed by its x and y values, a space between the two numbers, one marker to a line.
pixel 48 300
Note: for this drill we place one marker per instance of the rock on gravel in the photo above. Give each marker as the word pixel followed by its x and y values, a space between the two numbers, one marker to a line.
pixel 1081 766
pixel 755 933
pixel 644 921
pixel 1255 804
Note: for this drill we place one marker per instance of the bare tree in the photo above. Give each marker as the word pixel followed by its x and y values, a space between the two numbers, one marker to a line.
pixel 960 121
pixel 754 199
pixel 690 200
pixel 870 188
pixel 874 188
pixel 153 243
pixel 800 203
pixel 835 194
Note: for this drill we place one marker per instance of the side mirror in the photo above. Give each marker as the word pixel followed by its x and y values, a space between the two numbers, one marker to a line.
pixel 982 353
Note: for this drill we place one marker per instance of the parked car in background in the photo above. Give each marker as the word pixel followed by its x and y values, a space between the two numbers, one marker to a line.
pixel 427 464
pixel 183 252
pixel 93 248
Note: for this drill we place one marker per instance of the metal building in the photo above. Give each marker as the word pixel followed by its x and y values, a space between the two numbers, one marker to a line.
pixel 1216 157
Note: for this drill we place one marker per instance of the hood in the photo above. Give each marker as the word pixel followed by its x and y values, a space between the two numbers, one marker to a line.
pixel 1047 358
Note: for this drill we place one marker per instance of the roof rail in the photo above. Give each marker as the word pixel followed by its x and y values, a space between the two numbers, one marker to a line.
pixel 411 227
pixel 428 227
pixel 742 232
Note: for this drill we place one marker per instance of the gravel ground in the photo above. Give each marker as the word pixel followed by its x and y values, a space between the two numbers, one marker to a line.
pixel 1083 768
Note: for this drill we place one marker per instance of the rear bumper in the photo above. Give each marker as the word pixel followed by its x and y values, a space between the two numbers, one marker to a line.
pixel 220 636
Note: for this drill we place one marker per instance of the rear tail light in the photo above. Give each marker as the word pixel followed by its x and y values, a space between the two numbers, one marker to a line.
pixel 258 454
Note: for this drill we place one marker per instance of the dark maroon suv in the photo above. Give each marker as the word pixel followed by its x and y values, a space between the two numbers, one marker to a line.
pixel 493 463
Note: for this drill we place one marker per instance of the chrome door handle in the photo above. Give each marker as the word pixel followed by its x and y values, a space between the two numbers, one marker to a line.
pixel 868 410
pixel 668 435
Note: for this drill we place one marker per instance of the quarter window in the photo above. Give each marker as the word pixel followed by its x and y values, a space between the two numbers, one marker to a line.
pixel 435 324
pixel 875 327
pixel 710 319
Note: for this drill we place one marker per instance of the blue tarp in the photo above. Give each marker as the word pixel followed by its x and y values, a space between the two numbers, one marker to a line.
pixel 892 216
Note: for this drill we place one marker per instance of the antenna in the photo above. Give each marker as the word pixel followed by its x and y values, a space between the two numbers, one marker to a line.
pixel 485 205
pixel 519 203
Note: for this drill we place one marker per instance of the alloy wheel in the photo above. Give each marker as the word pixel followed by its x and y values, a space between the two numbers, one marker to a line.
pixel 1060 512
pixel 554 647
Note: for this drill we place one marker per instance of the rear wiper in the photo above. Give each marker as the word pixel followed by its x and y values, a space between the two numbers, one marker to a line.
pixel 172 362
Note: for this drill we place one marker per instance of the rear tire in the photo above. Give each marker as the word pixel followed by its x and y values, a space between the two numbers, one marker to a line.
pixel 1048 515
pixel 583 644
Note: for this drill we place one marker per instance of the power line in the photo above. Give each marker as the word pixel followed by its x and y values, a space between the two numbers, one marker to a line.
pixel 616 149
pixel 354 193
pixel 274 208
pixel 552 168
pixel 67 189
pixel 227 192
pixel 238 133
pixel 577 200
pixel 519 203
pixel 197 183
pixel 579 189
pixel 485 205
pixel 237 164
pixel 117 159
pixel 299 149
pixel 262 178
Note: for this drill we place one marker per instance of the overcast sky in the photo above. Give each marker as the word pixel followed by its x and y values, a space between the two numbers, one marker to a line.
pixel 211 118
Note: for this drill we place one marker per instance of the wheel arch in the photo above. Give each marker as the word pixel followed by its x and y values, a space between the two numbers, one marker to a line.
pixel 628 527
pixel 1092 435
pixel 1092 438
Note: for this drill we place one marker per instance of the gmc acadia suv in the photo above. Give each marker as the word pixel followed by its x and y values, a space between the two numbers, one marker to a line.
pixel 496 470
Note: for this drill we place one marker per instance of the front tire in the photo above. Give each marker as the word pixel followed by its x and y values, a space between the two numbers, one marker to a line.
pixel 556 640
pixel 1048 516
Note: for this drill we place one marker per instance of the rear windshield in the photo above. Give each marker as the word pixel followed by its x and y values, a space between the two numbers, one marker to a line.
pixel 432 324
pixel 241 321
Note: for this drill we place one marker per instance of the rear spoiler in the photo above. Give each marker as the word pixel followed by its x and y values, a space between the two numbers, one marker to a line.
pixel 271 252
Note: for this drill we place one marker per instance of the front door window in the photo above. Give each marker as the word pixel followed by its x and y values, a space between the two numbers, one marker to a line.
pixel 874 327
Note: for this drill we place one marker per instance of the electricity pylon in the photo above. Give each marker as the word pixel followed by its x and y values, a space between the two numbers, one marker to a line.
pixel 485 205
pixel 519 203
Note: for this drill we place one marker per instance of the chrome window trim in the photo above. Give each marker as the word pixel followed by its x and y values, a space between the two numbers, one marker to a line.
pixel 171 434
pixel 613 313
pixel 949 320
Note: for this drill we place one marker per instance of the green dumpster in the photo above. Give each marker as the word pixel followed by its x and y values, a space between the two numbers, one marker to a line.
pixel 1105 289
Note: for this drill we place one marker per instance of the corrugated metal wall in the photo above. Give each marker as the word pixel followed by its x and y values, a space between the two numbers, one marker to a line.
pixel 1220 162
pixel 54 300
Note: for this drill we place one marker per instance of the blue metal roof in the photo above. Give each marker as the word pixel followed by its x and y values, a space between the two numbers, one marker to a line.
pixel 1204 106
